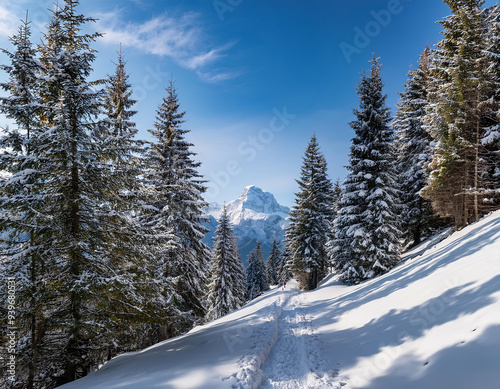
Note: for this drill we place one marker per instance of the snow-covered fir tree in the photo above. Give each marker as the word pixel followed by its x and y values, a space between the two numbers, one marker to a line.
pixel 92 282
pixel 310 220
pixel 227 274
pixel 283 272
pixel 337 195
pixel 86 285
pixel 490 139
pixel 241 274
pixel 366 231
pixel 272 263
pixel 414 148
pixel 256 274
pixel 25 250
pixel 132 239
pixel 175 189
pixel 459 114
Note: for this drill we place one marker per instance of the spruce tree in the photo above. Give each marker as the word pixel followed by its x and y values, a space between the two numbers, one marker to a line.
pixel 121 213
pixel 241 275
pixel 256 274
pixel 337 195
pixel 176 189
pixel 461 110
pixel 273 263
pixel 283 272
pixel 366 233
pixel 227 275
pixel 490 139
pixel 414 147
pixel 95 287
pixel 310 220
pixel 25 247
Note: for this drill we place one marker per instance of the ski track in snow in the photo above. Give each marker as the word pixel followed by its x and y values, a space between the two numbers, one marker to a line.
pixel 295 361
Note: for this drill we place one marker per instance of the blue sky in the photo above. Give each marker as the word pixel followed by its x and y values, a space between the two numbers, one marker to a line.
pixel 256 77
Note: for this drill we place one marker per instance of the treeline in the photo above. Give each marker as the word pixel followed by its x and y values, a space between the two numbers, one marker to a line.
pixel 101 233
pixel 437 162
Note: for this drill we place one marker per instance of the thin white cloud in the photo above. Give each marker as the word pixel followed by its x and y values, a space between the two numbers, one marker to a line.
pixel 179 38
pixel 214 78
pixel 8 21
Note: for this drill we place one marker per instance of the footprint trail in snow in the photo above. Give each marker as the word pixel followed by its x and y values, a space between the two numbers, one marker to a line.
pixel 295 361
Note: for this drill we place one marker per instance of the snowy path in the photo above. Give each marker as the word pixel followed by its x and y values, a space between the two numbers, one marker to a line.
pixel 295 361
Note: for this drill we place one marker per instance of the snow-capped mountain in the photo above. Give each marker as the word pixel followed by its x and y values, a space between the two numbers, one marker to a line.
pixel 255 215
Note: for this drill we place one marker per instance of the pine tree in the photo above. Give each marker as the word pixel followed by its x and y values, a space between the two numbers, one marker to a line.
pixel 227 277
pixel 176 189
pixel 283 272
pixel 128 237
pixel 460 111
pixel 337 195
pixel 310 220
pixel 25 247
pixel 241 274
pixel 118 131
pixel 273 263
pixel 95 286
pixel 366 241
pixel 490 139
pixel 256 274
pixel 414 146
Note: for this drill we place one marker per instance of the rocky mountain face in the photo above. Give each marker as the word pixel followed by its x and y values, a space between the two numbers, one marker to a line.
pixel 255 215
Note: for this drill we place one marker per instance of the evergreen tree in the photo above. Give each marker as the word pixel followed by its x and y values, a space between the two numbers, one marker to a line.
pixel 128 237
pixel 241 276
pixel 283 272
pixel 490 139
pixel 337 195
pixel 366 241
pixel 273 263
pixel 310 220
pixel 256 274
pixel 460 111
pixel 414 146
pixel 25 247
pixel 176 189
pixel 227 277
pixel 118 131
pixel 94 287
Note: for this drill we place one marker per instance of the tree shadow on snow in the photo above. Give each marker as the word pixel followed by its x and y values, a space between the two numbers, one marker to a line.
pixel 465 365
pixel 406 273
pixel 398 326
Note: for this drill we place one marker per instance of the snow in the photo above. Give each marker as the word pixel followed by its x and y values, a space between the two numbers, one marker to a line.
pixel 255 215
pixel 432 322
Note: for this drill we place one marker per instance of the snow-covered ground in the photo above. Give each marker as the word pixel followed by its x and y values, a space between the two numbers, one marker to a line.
pixel 433 322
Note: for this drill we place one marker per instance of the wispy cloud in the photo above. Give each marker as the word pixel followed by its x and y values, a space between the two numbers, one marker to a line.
pixel 179 38
pixel 8 21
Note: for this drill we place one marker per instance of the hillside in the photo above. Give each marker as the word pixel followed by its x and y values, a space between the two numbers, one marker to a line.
pixel 255 215
pixel 433 322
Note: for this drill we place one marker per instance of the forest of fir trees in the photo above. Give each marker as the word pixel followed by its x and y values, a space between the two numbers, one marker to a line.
pixel 103 232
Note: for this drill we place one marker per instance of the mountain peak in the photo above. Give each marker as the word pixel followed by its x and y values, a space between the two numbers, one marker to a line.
pixel 256 199
pixel 255 216
pixel 251 190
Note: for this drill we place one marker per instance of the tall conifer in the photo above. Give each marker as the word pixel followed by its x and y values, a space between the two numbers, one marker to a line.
pixel 310 220
pixel 366 233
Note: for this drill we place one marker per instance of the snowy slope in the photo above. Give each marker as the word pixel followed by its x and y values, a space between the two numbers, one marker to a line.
pixel 433 322
pixel 255 215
